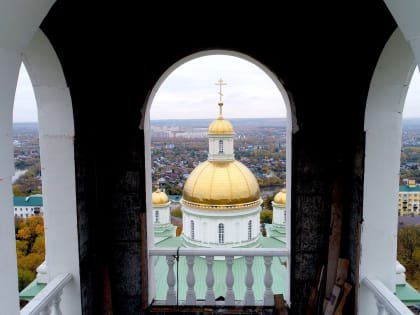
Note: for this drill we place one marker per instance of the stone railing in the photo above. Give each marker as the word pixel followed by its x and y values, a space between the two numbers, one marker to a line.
pixel 227 256
pixel 47 301
pixel 386 301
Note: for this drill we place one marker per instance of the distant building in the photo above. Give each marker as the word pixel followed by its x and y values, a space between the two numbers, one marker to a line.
pixel 25 207
pixel 409 198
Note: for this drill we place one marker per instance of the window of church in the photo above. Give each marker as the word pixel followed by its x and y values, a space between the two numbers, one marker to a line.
pixel 156 216
pixel 249 230
pixel 221 233
pixel 221 146
pixel 192 229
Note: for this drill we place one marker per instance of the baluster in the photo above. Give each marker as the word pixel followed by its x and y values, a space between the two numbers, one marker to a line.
pixel 249 298
pixel 268 282
pixel 191 298
pixel 56 303
pixel 46 310
pixel 380 306
pixel 230 294
pixel 170 279
pixel 210 299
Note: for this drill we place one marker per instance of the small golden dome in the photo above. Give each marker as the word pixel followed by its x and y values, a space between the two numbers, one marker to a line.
pixel 221 183
pixel 159 197
pixel 221 126
pixel 280 197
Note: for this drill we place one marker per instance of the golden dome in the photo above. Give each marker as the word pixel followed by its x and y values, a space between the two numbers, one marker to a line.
pixel 221 126
pixel 159 198
pixel 280 197
pixel 221 183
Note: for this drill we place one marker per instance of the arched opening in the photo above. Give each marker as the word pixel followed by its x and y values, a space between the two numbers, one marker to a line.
pixel 27 191
pixel 220 147
pixel 56 137
pixel 383 122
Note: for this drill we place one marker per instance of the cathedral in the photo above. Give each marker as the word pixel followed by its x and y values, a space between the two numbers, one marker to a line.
pixel 221 205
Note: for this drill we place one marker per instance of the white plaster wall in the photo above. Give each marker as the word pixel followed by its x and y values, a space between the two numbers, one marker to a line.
pixel 406 14
pixel 278 214
pixel 382 160
pixel 9 69
pixel 235 225
pixel 164 215
pixel 18 22
pixel 56 138
pixel 228 152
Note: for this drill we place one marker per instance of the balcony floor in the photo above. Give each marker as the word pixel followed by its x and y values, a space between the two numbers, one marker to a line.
pixel 208 310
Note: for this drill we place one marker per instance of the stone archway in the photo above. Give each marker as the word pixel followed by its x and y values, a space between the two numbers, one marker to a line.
pixel 145 126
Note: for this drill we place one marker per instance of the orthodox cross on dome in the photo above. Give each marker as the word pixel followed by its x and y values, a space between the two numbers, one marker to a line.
pixel 220 83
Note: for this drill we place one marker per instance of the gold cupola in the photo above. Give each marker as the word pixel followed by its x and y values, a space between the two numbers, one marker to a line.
pixel 280 197
pixel 221 126
pixel 221 182
pixel 159 198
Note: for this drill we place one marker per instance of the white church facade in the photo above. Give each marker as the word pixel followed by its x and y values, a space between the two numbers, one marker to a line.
pixel 221 205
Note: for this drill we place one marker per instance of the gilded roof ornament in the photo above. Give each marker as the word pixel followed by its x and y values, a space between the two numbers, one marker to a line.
pixel 220 83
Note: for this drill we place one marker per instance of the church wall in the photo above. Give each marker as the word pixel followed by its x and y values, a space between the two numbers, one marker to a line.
pixel 206 225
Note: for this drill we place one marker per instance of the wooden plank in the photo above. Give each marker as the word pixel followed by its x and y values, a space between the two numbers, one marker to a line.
pixel 332 300
pixel 315 292
pixel 279 305
pixel 342 271
pixel 335 237
pixel 346 288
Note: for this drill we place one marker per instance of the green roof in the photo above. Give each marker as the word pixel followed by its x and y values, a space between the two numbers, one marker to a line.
pixel 30 201
pixel 170 242
pixel 31 290
pixel 407 294
pixel 406 188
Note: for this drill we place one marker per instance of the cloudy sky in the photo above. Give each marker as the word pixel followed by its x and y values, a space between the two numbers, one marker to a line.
pixel 190 91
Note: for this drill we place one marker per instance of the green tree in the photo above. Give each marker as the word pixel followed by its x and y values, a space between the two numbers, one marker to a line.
pixel 25 277
pixel 266 216
pixel 177 212
pixel 408 250
pixel 267 202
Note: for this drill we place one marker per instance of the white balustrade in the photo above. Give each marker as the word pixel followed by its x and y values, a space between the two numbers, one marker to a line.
pixel 230 295
pixel 210 299
pixel 386 301
pixel 249 298
pixel 47 301
pixel 229 255
pixel 171 295
pixel 268 281
pixel 190 299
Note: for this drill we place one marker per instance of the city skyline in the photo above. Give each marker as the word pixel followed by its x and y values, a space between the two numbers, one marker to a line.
pixel 190 91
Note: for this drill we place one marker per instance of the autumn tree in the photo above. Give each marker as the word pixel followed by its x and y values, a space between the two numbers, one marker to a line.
pixel 30 248
pixel 408 252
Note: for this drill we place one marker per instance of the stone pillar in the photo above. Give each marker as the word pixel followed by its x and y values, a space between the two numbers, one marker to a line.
pixel 9 64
